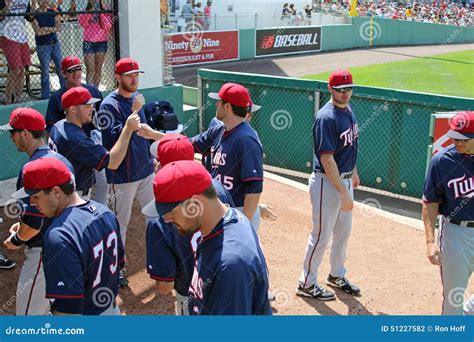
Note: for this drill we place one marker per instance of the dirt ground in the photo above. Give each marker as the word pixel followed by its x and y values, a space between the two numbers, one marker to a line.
pixel 386 260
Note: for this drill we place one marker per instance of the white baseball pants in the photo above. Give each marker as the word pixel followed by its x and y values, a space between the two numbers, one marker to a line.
pixel 328 222
pixel 31 289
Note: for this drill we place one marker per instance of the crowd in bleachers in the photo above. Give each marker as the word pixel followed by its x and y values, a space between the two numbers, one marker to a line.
pixel 445 12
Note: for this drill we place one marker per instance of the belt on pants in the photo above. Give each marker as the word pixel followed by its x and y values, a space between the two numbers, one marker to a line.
pixel 468 224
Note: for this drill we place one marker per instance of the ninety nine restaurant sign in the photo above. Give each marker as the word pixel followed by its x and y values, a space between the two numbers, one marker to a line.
pixel 203 47
pixel 284 40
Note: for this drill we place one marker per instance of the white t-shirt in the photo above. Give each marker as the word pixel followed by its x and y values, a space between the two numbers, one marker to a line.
pixel 14 28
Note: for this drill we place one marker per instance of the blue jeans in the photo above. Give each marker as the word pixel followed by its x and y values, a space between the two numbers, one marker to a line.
pixel 46 53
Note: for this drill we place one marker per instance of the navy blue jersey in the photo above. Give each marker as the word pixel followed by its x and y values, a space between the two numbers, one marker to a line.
pixel 230 275
pixel 82 256
pixel 450 182
pixel 237 159
pixel 70 140
pixel 335 131
pixel 207 158
pixel 55 111
pixel 170 256
pixel 29 214
pixel 138 162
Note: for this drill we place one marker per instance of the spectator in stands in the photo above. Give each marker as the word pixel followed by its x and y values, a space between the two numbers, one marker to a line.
pixel 308 10
pixel 187 11
pixel 97 27
pixel 48 47
pixel 292 14
pixel 207 15
pixel 14 43
pixel 285 14
pixel 198 16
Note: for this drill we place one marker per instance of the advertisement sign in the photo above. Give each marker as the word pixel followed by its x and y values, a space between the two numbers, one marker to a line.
pixel 287 40
pixel 202 47
pixel 441 127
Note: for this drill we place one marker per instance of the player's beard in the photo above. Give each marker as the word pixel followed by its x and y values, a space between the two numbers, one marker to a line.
pixel 130 88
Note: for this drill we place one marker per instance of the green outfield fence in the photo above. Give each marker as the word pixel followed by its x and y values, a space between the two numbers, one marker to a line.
pixel 394 125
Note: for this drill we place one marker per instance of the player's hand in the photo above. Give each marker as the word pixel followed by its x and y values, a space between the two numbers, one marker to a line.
pixel 355 180
pixel 145 131
pixel 133 122
pixel 347 204
pixel 434 254
pixel 14 228
pixel 266 212
pixel 8 243
pixel 138 102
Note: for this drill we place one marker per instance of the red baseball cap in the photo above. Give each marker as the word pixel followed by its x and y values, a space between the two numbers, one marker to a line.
pixel 77 96
pixel 172 147
pixel 233 93
pixel 43 173
pixel 70 62
pixel 25 118
pixel 127 66
pixel 341 79
pixel 462 126
pixel 175 183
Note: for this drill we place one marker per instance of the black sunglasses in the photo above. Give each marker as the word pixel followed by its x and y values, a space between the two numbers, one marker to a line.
pixel 342 90
pixel 72 71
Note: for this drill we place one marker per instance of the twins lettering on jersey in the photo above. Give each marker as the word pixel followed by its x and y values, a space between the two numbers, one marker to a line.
pixel 462 186
pixel 350 135
pixel 218 158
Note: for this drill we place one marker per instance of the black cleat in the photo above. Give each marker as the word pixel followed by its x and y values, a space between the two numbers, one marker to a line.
pixel 5 263
pixel 343 284
pixel 316 292
pixel 123 281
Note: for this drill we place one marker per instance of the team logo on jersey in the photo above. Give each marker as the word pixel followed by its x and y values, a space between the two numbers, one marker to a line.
pixel 462 186
pixel 350 135
pixel 60 284
pixel 218 158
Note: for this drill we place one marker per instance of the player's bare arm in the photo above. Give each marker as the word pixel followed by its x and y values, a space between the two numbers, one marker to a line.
pixel 429 215
pixel 355 178
pixel 118 152
pixel 145 131
pixel 332 172
pixel 250 205
pixel 23 232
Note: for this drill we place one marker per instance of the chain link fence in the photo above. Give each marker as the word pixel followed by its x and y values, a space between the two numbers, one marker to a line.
pixel 393 125
pixel 36 36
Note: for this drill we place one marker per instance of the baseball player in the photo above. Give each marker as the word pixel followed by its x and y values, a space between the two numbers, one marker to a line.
pixel 68 138
pixel 235 149
pixel 230 273
pixel 27 131
pixel 170 256
pixel 71 68
pixel 82 249
pixel 134 177
pixel 448 191
pixel 331 185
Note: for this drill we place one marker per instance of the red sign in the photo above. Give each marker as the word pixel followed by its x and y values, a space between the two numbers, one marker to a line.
pixel 203 47
pixel 441 127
